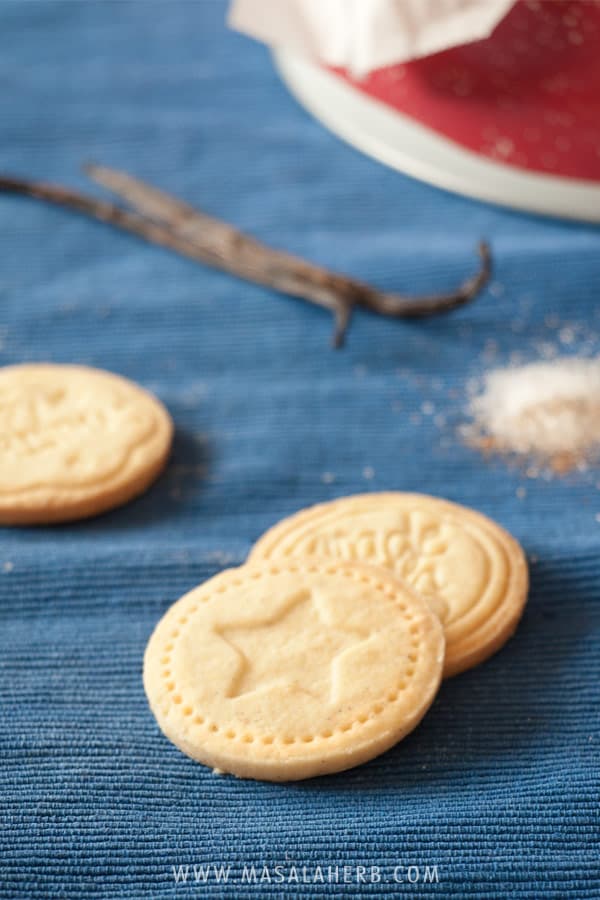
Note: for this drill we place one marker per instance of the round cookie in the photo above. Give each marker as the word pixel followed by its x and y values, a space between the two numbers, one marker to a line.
pixel 282 672
pixel 472 572
pixel 75 442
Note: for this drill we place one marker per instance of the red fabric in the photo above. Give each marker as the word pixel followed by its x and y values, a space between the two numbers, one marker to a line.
pixel 528 96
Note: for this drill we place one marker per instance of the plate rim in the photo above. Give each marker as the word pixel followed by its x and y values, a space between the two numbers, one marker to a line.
pixel 386 135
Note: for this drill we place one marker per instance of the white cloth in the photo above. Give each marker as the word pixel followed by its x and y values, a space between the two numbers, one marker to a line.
pixel 362 35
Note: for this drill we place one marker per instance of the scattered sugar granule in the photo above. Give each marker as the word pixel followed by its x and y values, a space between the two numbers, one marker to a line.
pixel 327 477
pixel 548 411
pixel 368 473
pixel 566 335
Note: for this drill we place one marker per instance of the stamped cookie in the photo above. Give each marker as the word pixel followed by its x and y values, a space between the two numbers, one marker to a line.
pixel 472 572
pixel 286 671
pixel 75 442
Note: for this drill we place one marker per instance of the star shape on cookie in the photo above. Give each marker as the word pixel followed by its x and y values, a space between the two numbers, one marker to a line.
pixel 296 646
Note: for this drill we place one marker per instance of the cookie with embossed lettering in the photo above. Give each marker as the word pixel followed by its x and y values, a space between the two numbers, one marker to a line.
pixel 75 442
pixel 286 671
pixel 472 572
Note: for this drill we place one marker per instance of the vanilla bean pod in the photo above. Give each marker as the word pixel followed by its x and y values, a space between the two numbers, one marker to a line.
pixel 169 222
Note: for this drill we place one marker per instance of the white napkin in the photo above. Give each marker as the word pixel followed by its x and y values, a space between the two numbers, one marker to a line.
pixel 362 35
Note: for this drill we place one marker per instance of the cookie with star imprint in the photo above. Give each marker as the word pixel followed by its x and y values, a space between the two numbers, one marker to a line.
pixel 472 572
pixel 287 671
pixel 74 442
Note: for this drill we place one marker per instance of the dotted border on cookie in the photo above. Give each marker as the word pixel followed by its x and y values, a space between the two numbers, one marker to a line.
pixel 197 719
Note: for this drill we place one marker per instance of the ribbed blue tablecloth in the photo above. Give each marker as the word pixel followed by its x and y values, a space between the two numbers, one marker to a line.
pixel 499 786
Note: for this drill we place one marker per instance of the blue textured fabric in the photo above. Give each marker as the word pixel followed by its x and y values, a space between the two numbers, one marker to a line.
pixel 498 787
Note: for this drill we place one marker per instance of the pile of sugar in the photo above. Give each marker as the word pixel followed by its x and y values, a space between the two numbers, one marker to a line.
pixel 547 410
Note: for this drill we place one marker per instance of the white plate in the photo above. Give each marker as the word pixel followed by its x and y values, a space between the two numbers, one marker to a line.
pixel 400 142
